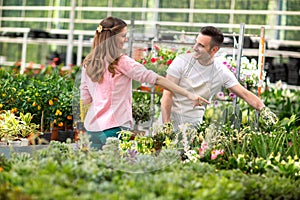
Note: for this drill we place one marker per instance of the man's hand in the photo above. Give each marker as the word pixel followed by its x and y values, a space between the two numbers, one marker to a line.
pixel 268 117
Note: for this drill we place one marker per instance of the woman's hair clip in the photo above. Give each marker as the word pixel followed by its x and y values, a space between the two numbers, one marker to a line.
pixel 99 29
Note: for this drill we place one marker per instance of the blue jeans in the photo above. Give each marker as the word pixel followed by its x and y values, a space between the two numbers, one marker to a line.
pixel 98 138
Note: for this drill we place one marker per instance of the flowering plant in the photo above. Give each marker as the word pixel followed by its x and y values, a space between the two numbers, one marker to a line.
pixel 249 74
pixel 160 58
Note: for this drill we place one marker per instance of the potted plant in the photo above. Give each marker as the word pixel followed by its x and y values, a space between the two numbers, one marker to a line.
pixel 140 109
pixel 17 129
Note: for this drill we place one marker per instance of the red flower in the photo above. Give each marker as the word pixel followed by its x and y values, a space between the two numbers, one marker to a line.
pixel 153 60
pixel 156 47
pixel 169 62
pixel 55 59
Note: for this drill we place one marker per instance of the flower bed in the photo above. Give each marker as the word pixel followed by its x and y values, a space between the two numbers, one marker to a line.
pixel 129 171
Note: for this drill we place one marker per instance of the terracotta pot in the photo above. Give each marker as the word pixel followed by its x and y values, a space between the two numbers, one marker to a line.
pixel 54 135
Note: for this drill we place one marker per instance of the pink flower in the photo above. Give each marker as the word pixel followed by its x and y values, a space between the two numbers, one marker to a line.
pixel 215 153
pixel 203 148
pixel 221 95
pixel 201 152
pixel 232 95
pixel 290 144
pixel 233 70
pixel 204 145
pixel 216 103
pixel 156 47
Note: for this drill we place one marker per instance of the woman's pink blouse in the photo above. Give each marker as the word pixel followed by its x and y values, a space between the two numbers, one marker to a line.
pixel 111 100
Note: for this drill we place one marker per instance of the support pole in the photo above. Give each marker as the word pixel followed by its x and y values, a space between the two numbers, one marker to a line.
pixel 79 50
pixel 24 49
pixel 152 93
pixel 261 63
pixel 70 36
pixel 130 40
pixel 239 56
pixel 261 59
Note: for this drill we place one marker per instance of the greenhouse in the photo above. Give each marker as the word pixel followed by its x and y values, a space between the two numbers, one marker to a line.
pixel 150 99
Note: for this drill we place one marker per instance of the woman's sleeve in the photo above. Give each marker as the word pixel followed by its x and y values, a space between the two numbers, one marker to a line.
pixel 85 95
pixel 136 70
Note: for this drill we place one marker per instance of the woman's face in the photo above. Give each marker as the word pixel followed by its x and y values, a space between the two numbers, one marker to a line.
pixel 122 37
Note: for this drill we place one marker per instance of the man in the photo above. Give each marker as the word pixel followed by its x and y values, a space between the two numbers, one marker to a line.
pixel 200 73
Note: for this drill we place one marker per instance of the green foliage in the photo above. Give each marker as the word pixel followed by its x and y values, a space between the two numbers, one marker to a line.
pixel 14 127
pixel 283 101
pixel 141 107
pixel 49 97
pixel 73 172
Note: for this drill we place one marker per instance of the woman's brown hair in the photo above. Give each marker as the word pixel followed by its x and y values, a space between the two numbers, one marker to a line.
pixel 105 48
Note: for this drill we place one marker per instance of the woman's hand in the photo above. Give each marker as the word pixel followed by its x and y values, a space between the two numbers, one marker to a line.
pixel 198 100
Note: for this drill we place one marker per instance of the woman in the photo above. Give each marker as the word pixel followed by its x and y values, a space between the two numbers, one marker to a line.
pixel 106 83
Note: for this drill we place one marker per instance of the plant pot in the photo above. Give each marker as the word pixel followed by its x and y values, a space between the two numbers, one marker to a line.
pixel 54 135
pixel 45 137
pixel 64 135
pixel 14 142
pixel 24 141
pixel 3 143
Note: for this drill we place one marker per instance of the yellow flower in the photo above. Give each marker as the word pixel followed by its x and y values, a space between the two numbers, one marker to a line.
pixel 1 105
pixel 58 112
pixel 99 28
pixel 50 102
pixel 14 110
pixel 34 104
pixel 3 94
pixel 39 107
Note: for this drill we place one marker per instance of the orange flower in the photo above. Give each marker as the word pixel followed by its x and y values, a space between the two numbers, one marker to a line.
pixel 61 124
pixel 14 110
pixel 69 117
pixel 50 102
pixel 1 169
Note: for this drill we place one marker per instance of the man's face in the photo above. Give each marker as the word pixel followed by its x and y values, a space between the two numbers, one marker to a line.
pixel 202 48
